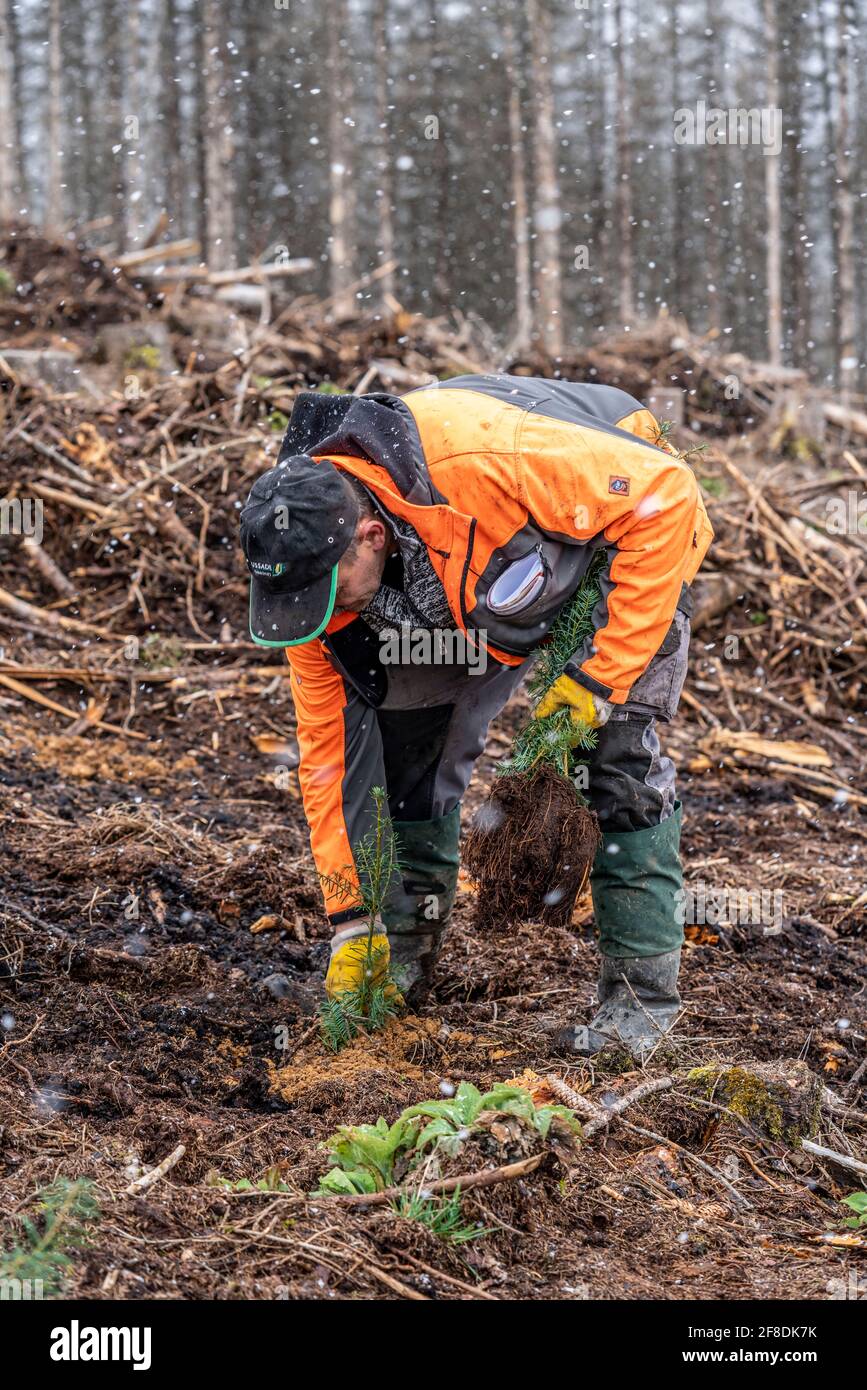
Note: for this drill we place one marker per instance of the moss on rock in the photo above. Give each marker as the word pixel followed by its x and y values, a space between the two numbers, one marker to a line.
pixel 781 1099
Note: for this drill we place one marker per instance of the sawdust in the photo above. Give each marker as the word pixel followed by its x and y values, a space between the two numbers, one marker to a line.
pixel 400 1050
pixel 85 761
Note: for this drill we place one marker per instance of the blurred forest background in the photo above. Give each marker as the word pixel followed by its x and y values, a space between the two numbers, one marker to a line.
pixel 516 160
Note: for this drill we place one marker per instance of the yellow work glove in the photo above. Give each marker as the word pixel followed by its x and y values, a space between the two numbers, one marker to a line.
pixel 349 961
pixel 565 693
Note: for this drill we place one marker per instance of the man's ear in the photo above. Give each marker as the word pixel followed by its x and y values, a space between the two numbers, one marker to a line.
pixel 376 532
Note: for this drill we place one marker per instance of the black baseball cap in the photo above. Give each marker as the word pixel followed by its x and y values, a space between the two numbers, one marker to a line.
pixel 297 522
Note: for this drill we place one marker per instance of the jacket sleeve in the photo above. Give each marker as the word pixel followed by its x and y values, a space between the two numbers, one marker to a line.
pixel 644 505
pixel 341 760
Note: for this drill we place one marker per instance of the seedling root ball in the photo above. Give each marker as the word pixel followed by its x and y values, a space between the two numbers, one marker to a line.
pixel 530 849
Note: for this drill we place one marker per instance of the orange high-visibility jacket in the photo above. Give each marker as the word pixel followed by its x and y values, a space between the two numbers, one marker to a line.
pixel 488 469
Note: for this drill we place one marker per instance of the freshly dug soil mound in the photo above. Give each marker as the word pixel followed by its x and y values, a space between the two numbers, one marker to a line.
pixel 530 849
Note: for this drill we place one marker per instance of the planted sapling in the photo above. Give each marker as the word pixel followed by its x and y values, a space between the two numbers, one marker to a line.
pixel 367 1007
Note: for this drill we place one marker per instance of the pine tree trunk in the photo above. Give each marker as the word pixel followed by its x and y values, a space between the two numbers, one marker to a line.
pixel 548 327
pixel 520 205
pixel 109 62
pixel 625 267
pixel 8 131
pixel 679 257
pixel 848 363
pixel 53 134
pixel 18 105
pixel 133 135
pixel 712 156
pixel 201 133
pixel 251 131
pixel 796 235
pixel 384 172
pixel 773 261
pixel 340 172
pixel 598 298
pixel 443 231
pixel 171 131
pixel 829 143
pixel 218 142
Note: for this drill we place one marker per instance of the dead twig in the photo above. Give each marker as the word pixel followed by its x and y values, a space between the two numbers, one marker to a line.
pixel 488 1178
pixel 736 1196
pixel 844 1160
pixel 641 1092
pixel 147 1180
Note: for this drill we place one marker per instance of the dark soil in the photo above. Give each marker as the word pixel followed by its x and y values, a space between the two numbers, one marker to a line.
pixel 143 1013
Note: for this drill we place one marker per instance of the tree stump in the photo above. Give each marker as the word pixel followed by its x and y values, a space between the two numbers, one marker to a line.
pixel 782 1099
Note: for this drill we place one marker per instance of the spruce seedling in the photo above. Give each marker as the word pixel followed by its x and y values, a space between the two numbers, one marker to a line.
pixel 554 740
pixel 532 843
pixel 369 1007
pixel 66 1208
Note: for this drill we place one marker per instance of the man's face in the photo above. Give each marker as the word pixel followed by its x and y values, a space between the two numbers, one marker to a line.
pixel 360 571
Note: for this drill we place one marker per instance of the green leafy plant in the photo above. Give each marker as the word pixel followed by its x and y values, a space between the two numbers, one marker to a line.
pixel 7 284
pixel 270 1181
pixel 554 740
pixel 277 421
pixel 450 1121
pixel 376 999
pixel 443 1216
pixel 371 1158
pixel 857 1202
pixel 366 1154
pixel 65 1210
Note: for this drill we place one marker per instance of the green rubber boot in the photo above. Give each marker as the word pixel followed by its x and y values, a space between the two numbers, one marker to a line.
pixel 637 887
pixel 419 905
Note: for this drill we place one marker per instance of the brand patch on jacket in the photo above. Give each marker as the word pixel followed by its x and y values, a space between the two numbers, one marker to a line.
pixel 620 485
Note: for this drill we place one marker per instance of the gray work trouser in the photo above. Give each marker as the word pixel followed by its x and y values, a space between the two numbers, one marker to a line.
pixel 422 742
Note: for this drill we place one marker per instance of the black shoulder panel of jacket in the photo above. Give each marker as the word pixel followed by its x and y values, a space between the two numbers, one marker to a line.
pixel 314 416
pixel 377 427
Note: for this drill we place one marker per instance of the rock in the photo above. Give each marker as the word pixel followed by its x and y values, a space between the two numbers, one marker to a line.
pixel 782 1099
pixel 302 995
pixel 248 298
pixel 60 371
pixel 136 349
pixel 213 329
pixel 278 986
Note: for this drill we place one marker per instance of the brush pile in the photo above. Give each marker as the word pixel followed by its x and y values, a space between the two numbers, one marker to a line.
pixel 140 478
pixel 164 944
